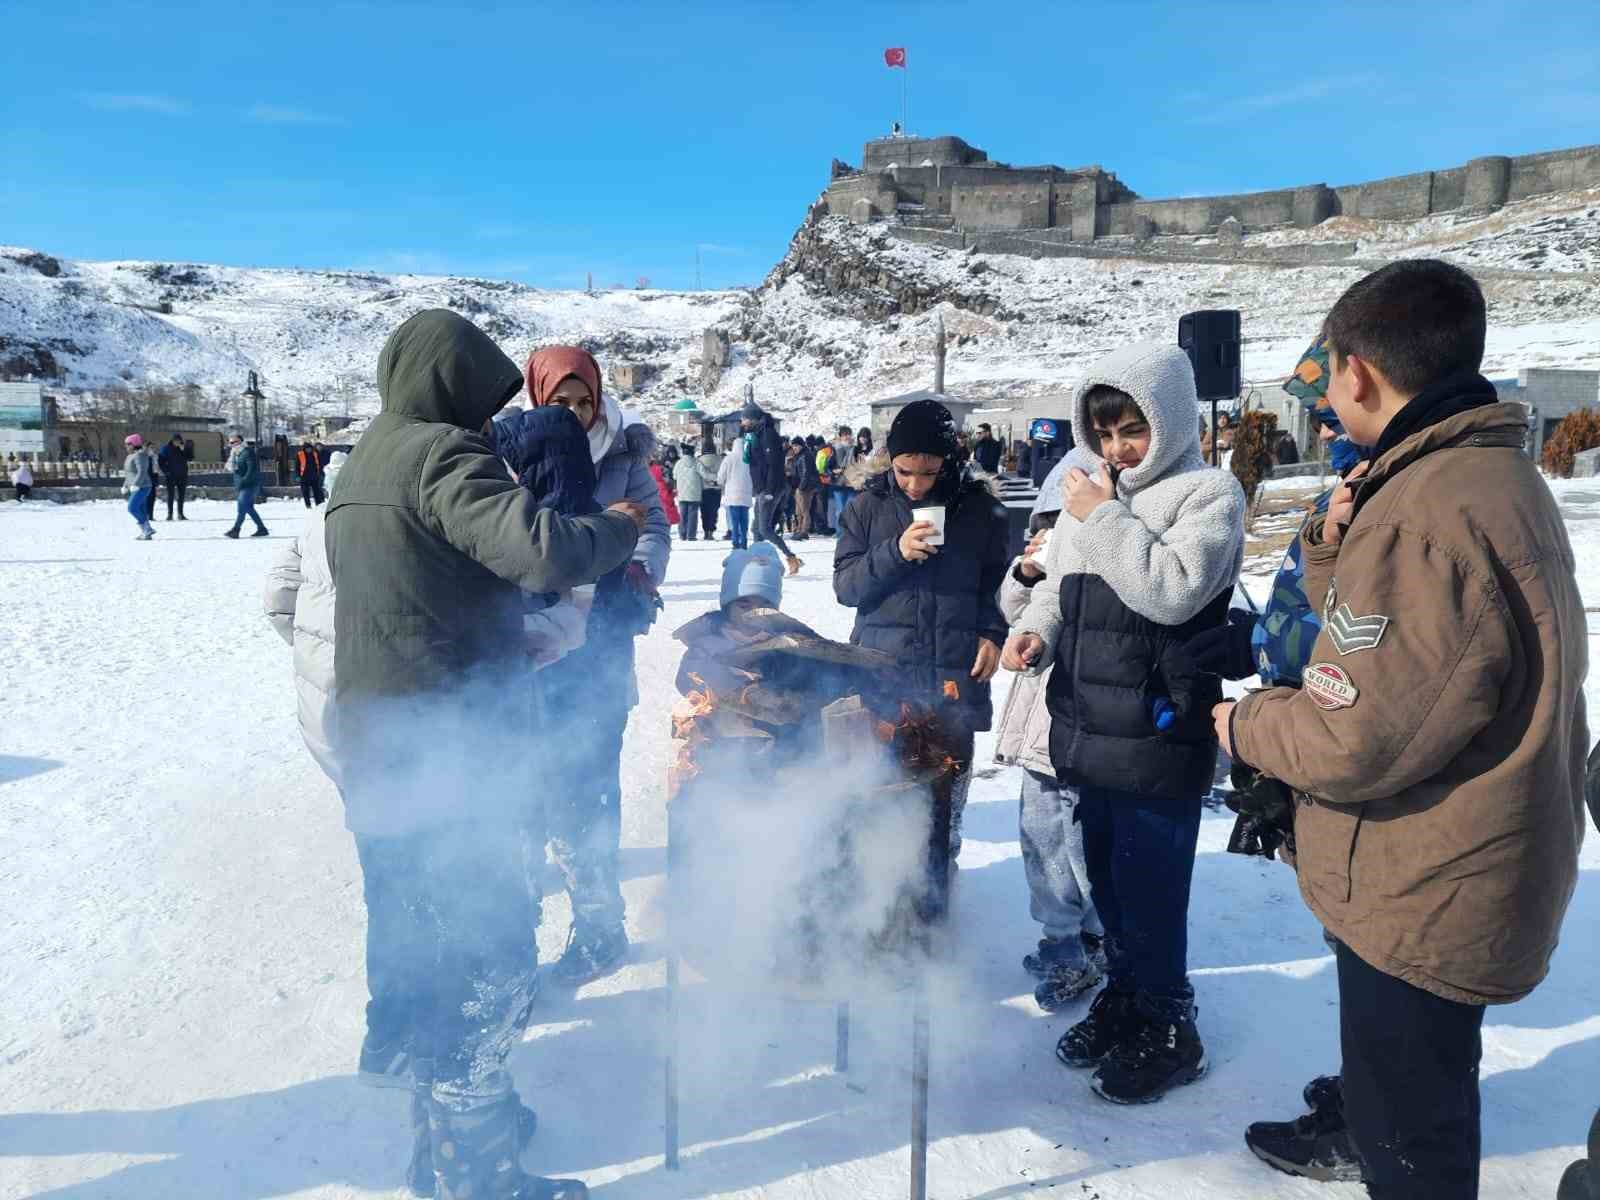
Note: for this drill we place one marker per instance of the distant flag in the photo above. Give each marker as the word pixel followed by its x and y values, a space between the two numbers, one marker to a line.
pixel 895 56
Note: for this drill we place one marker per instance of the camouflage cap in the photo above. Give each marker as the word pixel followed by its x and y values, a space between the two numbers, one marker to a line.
pixel 1309 384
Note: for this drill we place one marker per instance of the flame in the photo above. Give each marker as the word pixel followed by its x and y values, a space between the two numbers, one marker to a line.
pixel 951 691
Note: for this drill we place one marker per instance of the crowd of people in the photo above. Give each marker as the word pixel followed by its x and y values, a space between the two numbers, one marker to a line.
pixel 1416 754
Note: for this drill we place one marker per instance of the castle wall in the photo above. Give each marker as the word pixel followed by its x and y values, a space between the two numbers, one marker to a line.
pixel 1554 171
pixel 979 195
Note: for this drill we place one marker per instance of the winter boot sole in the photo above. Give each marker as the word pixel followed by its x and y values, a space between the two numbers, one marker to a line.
pixel 1179 1080
pixel 1309 1171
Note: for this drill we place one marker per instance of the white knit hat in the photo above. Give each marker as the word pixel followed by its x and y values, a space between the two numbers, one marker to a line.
pixel 757 571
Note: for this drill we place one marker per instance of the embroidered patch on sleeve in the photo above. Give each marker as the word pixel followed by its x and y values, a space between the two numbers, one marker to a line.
pixel 1329 686
pixel 1351 633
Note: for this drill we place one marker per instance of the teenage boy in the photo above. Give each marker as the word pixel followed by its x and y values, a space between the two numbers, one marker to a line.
pixel 1143 559
pixel 1437 742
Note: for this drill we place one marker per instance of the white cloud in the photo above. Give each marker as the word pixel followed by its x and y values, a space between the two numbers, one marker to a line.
pixel 1240 107
pixel 136 102
pixel 277 114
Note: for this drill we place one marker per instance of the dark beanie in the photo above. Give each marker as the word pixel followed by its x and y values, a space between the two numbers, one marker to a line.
pixel 923 427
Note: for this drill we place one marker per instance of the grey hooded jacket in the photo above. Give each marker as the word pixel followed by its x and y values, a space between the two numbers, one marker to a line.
pixel 430 546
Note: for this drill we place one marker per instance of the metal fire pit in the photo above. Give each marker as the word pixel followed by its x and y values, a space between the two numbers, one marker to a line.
pixel 851 740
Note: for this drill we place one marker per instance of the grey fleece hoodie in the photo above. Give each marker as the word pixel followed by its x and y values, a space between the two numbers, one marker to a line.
pixel 1174 536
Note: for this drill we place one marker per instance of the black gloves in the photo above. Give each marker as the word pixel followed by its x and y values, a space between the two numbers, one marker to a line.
pixel 1225 650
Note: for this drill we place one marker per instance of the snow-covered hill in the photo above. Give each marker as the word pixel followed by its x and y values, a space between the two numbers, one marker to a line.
pixel 849 313
pixel 846 317
pixel 308 333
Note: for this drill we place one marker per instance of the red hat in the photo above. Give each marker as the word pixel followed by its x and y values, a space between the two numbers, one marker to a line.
pixel 548 367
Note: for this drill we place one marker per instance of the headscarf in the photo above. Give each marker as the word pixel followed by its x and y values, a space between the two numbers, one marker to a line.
pixel 547 369
pixel 1309 384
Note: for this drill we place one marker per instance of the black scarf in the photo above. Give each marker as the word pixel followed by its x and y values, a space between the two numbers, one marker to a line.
pixel 1438 402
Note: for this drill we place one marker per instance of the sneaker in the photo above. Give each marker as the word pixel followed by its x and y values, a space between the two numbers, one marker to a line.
pixel 588 957
pixel 1314 1146
pixel 231 533
pixel 1066 985
pixel 1160 1054
pixel 385 1064
pixel 145 535
pixel 1111 1021
pixel 1052 954
pixel 262 532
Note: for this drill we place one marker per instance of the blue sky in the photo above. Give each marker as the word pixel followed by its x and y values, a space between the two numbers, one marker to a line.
pixel 541 143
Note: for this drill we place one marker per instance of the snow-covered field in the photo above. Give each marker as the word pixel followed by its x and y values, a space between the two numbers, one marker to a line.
pixel 183 937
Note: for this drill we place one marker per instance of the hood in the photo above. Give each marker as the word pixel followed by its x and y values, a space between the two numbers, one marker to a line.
pixel 548 367
pixel 1161 382
pixel 619 431
pixel 441 367
pixel 1052 492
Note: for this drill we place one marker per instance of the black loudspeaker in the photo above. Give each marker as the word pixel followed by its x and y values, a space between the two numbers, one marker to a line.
pixel 1211 340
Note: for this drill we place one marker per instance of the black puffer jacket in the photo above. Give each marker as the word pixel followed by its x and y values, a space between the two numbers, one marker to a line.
pixel 1102 730
pixel 929 615
pixel 769 460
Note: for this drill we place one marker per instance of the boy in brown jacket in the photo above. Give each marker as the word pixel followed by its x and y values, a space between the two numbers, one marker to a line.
pixel 1437 746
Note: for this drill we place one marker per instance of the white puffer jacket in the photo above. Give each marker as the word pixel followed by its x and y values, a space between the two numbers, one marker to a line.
pixel 298 599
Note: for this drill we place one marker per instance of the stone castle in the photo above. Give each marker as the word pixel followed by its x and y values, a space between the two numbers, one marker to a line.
pixel 944 183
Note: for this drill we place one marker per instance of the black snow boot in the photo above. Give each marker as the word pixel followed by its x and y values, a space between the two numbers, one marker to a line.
pixel 1110 1022
pixel 474 1139
pixel 1314 1146
pixel 590 955
pixel 1162 1051
pixel 419 1174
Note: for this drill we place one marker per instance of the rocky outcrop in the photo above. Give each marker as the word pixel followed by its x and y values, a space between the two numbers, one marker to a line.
pixel 852 269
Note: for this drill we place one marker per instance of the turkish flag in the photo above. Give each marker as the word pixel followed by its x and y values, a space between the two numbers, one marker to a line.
pixel 894 56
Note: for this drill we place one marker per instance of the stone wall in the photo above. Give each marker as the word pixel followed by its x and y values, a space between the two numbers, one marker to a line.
pixel 978 195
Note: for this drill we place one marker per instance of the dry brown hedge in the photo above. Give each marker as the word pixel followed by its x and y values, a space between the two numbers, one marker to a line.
pixel 1578 431
pixel 1252 449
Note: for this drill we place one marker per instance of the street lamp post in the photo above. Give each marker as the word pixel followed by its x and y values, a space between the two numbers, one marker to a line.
pixel 253 394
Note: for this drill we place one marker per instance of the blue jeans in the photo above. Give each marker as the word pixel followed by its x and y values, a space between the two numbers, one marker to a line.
pixel 1053 862
pixel 1139 852
pixel 245 505
pixel 139 505
pixel 838 497
pixel 738 524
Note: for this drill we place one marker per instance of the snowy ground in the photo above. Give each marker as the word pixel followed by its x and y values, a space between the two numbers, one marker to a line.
pixel 183 946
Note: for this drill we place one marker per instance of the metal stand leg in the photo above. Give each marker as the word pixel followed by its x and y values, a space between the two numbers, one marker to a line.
pixel 672 1062
pixel 919 1093
pixel 841 1038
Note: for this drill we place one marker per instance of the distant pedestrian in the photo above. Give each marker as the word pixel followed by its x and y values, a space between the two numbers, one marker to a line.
pixel 246 470
pixel 802 468
pixel 658 472
pixel 986 450
pixel 155 484
pixel 737 492
pixel 308 462
pixel 138 482
pixel 843 454
pixel 174 463
pixel 22 480
pixel 767 476
pixel 709 463
pixel 691 490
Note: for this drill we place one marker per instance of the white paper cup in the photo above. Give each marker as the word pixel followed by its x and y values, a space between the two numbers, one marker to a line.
pixel 1038 556
pixel 933 514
